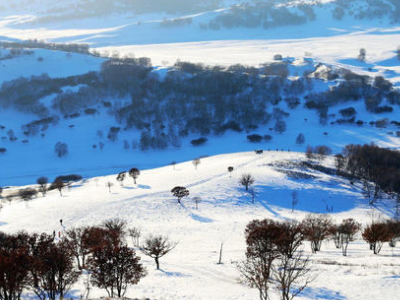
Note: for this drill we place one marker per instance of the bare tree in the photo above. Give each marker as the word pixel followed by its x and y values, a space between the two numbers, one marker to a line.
pixel 116 228
pixel 271 258
pixel 42 182
pixel 371 191
pixel 61 149
pixel 180 192
pixel 79 238
pixel 230 170
pixel 362 54
pixel 340 162
pixel 121 177
pixel 310 152
pixel 115 267
pixel 156 247
pixel 261 252
pixel 196 162
pixel 347 230
pixel 59 185
pixel 376 234
pixel 300 140
pixel 292 271
pixel 322 151
pixel 14 267
pixel 109 184
pixel 246 180
pixel 55 270
pixel 316 228
pixel 197 200
pixel 27 194
pixel 134 173
pixel 135 233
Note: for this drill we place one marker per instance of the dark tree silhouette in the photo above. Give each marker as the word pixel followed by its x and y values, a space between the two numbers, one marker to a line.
pixel 42 182
pixel 54 268
pixel 180 192
pixel 316 228
pixel 290 272
pixel 376 234
pixel 156 247
pixel 116 228
pixel 261 252
pixel 362 54
pixel 347 230
pixel 300 140
pixel 121 177
pixel 27 194
pixel 59 185
pixel 114 267
pixel 230 170
pixel 280 126
pixel 134 173
pixel 246 180
pixel 340 162
pixel 14 266
pixel 61 149
pixel 272 258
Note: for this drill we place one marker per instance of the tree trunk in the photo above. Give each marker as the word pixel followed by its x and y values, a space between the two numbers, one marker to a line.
pixel 220 253
pixel 157 263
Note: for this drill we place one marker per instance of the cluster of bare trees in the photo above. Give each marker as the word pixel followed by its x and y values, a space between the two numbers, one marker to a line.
pixel 273 259
pixel 274 256
pixel 49 267
pixel 318 152
pixel 133 172
pixel 377 233
pixel 376 168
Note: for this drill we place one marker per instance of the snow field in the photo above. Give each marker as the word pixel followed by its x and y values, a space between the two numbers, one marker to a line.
pixel 190 270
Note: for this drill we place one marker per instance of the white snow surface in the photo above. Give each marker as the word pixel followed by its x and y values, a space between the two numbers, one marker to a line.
pixel 326 39
pixel 191 271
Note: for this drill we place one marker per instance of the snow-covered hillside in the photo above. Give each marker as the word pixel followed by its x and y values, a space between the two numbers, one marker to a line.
pixel 32 155
pixel 165 37
pixel 191 271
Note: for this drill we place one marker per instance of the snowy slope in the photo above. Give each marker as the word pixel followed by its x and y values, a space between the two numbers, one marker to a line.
pixel 190 271
pixel 326 39
pixel 25 162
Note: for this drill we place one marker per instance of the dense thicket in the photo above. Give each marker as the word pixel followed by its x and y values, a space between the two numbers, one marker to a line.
pixel 190 98
pixel 374 164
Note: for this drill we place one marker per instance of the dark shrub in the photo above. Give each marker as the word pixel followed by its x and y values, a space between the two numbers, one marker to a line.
pixel 90 111
pixel 199 141
pixel 267 137
pixel 254 138
pixel 348 112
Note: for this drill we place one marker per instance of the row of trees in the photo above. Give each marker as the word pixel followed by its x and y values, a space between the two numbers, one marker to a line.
pixel 377 168
pixel 48 267
pixel 210 100
pixel 274 257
